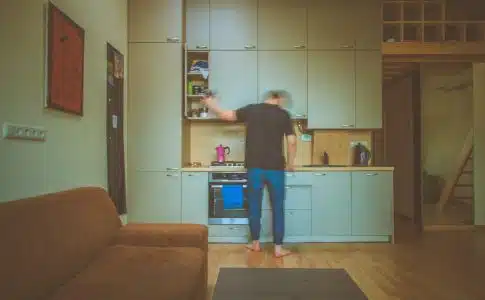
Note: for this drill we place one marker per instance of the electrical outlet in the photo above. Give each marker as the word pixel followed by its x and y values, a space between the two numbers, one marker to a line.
pixel 23 132
pixel 363 143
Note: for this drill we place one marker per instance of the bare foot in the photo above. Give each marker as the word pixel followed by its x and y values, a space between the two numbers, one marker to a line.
pixel 255 247
pixel 280 252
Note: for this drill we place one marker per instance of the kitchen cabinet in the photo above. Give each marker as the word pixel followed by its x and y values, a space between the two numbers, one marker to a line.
pixel 158 21
pixel 367 20
pixel 352 24
pixel 331 25
pixel 331 89
pixel 372 203
pixel 195 197
pixel 197 24
pixel 282 25
pixel 154 197
pixel 331 203
pixel 233 74
pixel 233 24
pixel 368 89
pixel 285 70
pixel 155 106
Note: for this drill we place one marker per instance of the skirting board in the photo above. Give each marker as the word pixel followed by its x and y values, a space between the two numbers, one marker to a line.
pixel 308 239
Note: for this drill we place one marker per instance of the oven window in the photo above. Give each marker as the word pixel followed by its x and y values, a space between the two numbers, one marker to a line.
pixel 228 200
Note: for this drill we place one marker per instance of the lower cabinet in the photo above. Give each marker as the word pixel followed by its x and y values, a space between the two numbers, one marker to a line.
pixel 195 197
pixel 155 197
pixel 372 203
pixel 331 203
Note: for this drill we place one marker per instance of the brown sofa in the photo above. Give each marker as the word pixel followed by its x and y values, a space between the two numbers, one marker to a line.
pixel 72 246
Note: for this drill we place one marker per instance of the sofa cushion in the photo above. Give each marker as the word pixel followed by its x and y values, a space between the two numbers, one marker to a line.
pixel 132 272
pixel 48 239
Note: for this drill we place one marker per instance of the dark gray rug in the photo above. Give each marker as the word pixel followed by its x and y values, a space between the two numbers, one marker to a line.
pixel 285 284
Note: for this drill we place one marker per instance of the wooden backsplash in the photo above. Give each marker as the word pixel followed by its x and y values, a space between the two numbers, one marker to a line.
pixel 204 137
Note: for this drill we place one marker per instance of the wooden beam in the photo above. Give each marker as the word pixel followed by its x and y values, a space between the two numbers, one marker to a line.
pixel 445 48
pixel 433 58
pixel 466 150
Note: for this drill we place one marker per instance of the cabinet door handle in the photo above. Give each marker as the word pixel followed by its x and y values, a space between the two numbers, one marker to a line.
pixel 344 46
pixel 173 39
pixel 370 174
pixel 319 174
pixel 191 174
pixel 172 169
pixel 249 46
pixel 299 46
pixel 288 187
pixel 289 213
pixel 290 174
pixel 347 126
pixel 300 116
pixel 172 175
pixel 201 47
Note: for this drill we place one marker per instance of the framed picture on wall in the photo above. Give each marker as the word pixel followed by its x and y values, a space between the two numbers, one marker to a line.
pixel 65 62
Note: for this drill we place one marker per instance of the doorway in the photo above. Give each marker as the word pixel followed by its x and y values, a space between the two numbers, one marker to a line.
pixel 114 128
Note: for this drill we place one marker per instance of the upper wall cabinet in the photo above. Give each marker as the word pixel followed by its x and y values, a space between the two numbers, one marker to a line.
pixel 331 89
pixel 368 24
pixel 197 24
pixel 155 21
pixel 368 89
pixel 233 24
pixel 285 70
pixel 282 25
pixel 234 75
pixel 350 24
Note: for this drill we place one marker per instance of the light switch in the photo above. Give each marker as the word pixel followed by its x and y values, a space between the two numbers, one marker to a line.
pixel 23 132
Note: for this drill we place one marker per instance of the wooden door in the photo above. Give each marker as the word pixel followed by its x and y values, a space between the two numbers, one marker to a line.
pixel 331 89
pixel 233 24
pixel 399 143
pixel 114 128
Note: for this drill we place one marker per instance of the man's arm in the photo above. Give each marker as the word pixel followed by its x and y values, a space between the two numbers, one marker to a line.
pixel 291 144
pixel 226 115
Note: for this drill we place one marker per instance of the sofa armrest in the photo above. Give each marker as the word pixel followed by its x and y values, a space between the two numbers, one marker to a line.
pixel 164 235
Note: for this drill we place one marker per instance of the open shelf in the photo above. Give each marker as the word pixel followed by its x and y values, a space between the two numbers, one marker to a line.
pixel 196 83
pixel 433 21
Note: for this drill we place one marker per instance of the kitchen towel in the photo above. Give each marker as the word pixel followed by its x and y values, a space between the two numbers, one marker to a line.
pixel 233 196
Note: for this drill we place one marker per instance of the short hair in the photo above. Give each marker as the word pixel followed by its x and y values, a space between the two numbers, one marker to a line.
pixel 273 94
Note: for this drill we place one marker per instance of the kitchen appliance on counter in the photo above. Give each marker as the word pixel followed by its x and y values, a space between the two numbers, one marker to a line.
pixel 227 163
pixel 360 155
pixel 228 201
pixel 221 152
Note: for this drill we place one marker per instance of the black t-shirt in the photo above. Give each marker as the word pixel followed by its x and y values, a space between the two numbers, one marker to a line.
pixel 266 127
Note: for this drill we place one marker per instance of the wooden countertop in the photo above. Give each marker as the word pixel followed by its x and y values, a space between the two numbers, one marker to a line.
pixel 297 168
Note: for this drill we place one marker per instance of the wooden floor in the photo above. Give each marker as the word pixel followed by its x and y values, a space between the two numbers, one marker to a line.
pixel 435 265
pixel 453 214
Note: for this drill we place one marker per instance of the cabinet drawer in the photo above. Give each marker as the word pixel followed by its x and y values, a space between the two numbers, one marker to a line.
pixel 298 178
pixel 228 230
pixel 297 197
pixel 298 222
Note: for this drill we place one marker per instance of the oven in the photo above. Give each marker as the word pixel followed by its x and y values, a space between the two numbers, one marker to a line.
pixel 228 201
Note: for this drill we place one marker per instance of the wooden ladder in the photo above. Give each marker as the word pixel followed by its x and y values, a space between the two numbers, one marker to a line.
pixel 459 186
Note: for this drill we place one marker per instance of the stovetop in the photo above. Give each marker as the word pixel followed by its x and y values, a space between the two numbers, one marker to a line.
pixel 236 164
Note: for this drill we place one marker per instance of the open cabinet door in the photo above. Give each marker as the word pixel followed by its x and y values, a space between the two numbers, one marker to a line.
pixel 479 142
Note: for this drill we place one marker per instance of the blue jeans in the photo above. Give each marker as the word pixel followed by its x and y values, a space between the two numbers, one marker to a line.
pixel 275 180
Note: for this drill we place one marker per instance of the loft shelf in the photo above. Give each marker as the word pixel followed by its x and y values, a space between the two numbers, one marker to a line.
pixel 433 27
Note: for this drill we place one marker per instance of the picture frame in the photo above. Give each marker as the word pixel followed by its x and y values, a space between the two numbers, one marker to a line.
pixel 64 62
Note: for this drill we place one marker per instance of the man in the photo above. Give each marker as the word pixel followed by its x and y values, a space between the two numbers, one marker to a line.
pixel 266 126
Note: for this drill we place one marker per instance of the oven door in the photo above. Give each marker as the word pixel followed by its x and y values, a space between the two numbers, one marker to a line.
pixel 222 209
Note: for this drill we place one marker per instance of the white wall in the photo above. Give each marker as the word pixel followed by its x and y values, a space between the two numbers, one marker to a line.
pixel 447 115
pixel 75 151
